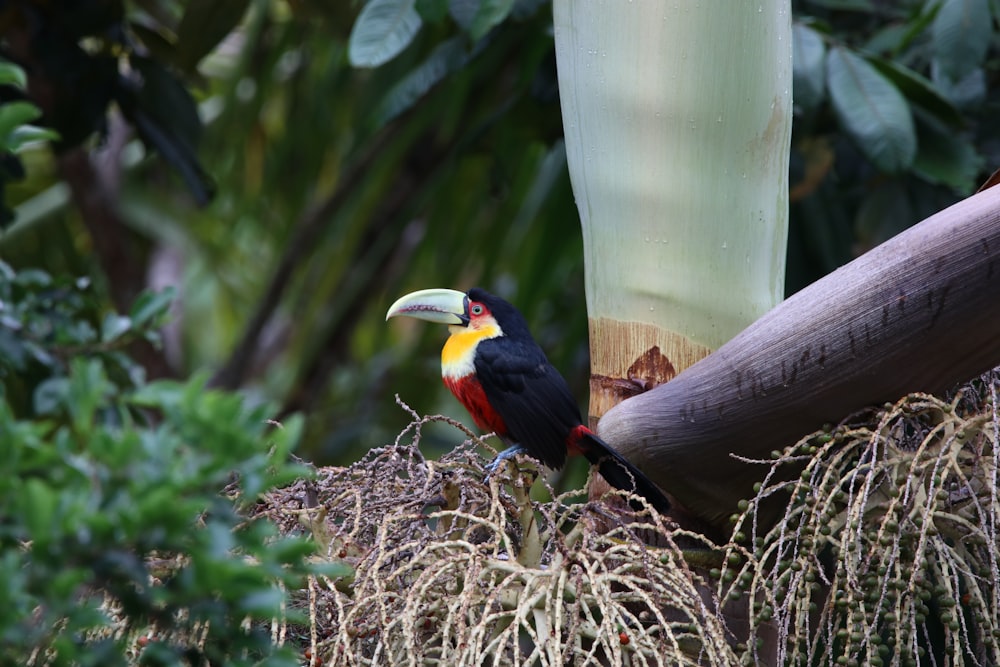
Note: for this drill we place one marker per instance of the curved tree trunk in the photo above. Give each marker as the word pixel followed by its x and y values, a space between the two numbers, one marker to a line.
pixel 920 312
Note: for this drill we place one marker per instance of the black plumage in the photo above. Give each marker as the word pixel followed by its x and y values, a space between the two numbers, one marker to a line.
pixel 538 409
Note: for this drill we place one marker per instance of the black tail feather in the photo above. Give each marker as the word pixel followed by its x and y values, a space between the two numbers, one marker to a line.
pixel 621 474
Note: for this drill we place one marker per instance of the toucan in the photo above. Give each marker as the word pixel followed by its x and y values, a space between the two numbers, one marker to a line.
pixel 499 373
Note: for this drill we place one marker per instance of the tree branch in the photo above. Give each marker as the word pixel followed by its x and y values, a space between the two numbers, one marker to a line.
pixel 921 312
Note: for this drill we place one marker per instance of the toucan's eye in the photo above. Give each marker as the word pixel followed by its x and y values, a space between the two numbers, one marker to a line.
pixel 476 309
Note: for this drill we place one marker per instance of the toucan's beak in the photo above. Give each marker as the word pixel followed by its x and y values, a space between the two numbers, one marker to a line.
pixel 446 306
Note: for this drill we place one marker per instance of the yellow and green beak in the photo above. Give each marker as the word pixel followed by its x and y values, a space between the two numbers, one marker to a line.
pixel 446 306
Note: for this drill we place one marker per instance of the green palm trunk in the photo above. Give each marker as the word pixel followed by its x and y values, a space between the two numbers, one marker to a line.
pixel 677 121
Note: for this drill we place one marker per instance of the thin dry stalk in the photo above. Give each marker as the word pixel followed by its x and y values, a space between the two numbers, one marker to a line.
pixel 887 553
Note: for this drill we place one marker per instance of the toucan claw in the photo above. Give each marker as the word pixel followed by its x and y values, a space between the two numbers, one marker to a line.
pixel 506 455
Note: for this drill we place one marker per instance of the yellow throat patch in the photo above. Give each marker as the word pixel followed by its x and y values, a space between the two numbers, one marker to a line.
pixel 459 353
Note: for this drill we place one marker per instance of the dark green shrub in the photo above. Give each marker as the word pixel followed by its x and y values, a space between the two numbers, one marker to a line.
pixel 121 533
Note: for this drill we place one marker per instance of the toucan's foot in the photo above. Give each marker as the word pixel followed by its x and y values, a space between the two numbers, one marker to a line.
pixel 505 455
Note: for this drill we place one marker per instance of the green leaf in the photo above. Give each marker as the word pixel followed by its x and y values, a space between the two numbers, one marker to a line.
pixel 160 394
pixel 14 115
pixel 887 39
pixel 965 93
pixel 919 90
pixel 203 26
pixel 88 389
pixel 50 396
pixel 263 603
pixel 960 36
pixel 382 30
pixel 946 157
pixel 895 37
pixel 872 111
pixel 12 349
pixel 808 72
pixel 66 583
pixel 12 75
pixel 40 507
pixel 28 134
pixel 463 12
pixel 115 326
pixel 291 550
pixel 490 14
pixel 432 11
pixel 150 306
pixel 446 58
pixel 33 279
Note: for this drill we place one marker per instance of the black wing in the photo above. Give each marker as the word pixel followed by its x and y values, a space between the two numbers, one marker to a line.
pixel 530 396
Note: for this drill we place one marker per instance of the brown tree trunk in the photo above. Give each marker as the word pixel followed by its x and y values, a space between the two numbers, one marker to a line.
pixel 920 312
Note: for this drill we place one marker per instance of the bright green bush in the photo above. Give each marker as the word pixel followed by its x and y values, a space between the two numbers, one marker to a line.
pixel 120 503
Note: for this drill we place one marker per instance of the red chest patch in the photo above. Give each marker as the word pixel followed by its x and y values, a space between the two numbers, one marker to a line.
pixel 470 393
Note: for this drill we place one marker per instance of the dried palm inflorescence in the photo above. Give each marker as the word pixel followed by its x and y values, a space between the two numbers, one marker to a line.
pixel 887 552
pixel 448 570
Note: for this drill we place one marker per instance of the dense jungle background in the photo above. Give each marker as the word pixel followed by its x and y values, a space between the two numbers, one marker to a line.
pixel 288 181
pixel 207 207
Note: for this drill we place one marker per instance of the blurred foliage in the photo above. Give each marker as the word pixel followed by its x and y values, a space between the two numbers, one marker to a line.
pixel 48 323
pixel 83 57
pixel 115 540
pixel 894 109
pixel 363 150
pixel 15 131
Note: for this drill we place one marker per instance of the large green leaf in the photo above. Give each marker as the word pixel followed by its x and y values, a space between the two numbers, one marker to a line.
pixel 960 36
pixel 383 29
pixel 808 73
pixel 872 111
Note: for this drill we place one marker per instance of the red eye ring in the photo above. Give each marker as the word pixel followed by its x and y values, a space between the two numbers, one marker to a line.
pixel 476 309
